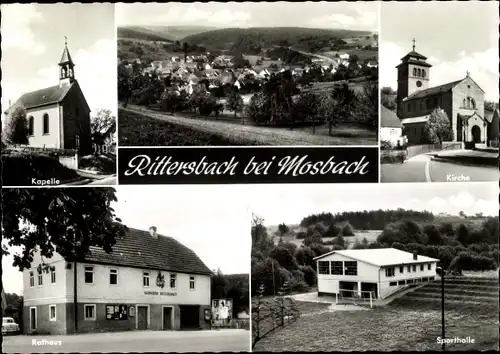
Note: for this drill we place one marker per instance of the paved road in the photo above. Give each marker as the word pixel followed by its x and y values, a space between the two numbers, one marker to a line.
pixel 230 340
pixel 422 168
pixel 107 181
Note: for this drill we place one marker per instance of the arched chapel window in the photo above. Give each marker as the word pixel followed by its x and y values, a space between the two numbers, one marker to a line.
pixel 31 126
pixel 45 123
pixel 423 73
pixel 414 72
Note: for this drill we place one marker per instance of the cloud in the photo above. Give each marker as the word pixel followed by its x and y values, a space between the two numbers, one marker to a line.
pixel 483 68
pixel 16 31
pixel 364 20
pixel 179 15
pixel 95 71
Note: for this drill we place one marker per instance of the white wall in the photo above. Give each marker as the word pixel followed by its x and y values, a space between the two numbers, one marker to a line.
pixel 51 140
pixel 48 293
pixel 130 287
pixel 385 289
pixel 472 122
pixel 329 283
pixel 392 135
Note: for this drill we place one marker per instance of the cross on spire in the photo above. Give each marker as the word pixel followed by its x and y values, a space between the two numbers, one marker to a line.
pixel 413 44
pixel 468 73
pixel 65 40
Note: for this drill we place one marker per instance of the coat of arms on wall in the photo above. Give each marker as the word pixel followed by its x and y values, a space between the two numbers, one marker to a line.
pixel 160 280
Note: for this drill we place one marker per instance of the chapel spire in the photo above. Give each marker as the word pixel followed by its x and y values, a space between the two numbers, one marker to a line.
pixel 66 66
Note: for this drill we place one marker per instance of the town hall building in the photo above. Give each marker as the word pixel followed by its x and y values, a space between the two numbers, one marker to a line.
pixel 59 116
pixel 462 101
pixel 148 282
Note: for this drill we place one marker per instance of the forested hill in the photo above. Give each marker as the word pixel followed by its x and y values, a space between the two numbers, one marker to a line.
pixel 268 36
pixel 368 220
pixel 141 33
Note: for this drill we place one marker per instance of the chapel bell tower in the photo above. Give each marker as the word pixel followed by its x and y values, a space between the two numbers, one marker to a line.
pixel 66 67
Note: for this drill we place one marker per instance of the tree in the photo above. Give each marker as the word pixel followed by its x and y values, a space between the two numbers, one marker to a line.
pixel 218 285
pixel 463 234
pixel 438 128
pixel 307 109
pixel 66 221
pixel 339 108
pixel 235 103
pixel 347 230
pixel 185 49
pixel 283 229
pixel 17 130
pixel 102 129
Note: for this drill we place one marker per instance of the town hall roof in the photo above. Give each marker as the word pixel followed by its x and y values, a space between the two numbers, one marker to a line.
pixel 139 249
pixel 381 256
pixel 389 119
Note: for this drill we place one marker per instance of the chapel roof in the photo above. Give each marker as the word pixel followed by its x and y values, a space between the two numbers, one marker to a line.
pixel 389 119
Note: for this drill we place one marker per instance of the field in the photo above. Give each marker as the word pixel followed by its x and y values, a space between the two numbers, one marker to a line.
pixel 371 235
pixel 396 327
pixel 140 126
pixel 138 130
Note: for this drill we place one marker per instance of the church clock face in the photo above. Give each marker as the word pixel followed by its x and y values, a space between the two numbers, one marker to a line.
pixel 419 83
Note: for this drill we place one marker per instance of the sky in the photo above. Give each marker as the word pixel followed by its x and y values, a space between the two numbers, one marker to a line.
pixel 455 36
pixel 291 203
pixel 211 220
pixel 345 15
pixel 33 43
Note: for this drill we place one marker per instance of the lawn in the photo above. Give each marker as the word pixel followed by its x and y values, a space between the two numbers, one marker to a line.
pixel 135 129
pixel 143 126
pixel 396 327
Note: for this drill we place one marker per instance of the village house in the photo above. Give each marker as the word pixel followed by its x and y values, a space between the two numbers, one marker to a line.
pixel 148 282
pixel 391 129
pixel 58 116
pixel 379 272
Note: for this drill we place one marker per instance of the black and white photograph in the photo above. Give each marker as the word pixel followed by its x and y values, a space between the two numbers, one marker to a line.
pixel 439 91
pixel 58 94
pixel 252 73
pixel 369 267
pixel 125 269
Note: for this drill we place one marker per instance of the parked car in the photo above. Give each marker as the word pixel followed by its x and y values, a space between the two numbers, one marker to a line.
pixel 9 326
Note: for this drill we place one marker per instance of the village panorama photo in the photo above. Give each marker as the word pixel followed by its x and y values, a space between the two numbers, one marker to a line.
pixel 375 267
pixel 439 96
pixel 250 73
pixel 58 95
pixel 119 270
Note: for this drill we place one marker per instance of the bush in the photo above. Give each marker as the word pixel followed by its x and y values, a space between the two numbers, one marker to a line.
pixel 471 261
pixel 309 275
pixel 332 231
pixel 19 168
pixel 300 235
pixel 347 230
pixel 387 157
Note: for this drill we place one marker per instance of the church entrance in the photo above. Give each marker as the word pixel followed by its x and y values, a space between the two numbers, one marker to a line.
pixel 476 134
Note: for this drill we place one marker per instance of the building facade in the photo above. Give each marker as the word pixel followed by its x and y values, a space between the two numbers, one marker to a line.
pixel 379 271
pixel 148 282
pixel 461 100
pixel 391 129
pixel 59 116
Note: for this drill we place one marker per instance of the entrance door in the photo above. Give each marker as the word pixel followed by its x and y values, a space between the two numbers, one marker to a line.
pixel 142 317
pixel 476 134
pixel 33 318
pixel 190 317
pixel 167 318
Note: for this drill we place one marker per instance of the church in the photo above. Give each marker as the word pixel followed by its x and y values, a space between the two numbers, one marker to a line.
pixel 462 101
pixel 59 116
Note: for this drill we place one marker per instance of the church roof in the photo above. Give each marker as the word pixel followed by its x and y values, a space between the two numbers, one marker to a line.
pixel 413 54
pixel 46 96
pixel 389 119
pixel 416 62
pixel 433 90
pixel 66 57
pixel 490 114
pixel 468 116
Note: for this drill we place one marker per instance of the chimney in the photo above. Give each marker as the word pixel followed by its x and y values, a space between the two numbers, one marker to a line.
pixel 415 256
pixel 152 231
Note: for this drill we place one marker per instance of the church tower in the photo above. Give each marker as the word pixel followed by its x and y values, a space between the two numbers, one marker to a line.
pixel 413 74
pixel 66 67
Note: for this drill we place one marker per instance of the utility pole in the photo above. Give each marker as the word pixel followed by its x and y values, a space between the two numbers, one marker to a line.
pixel 440 272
